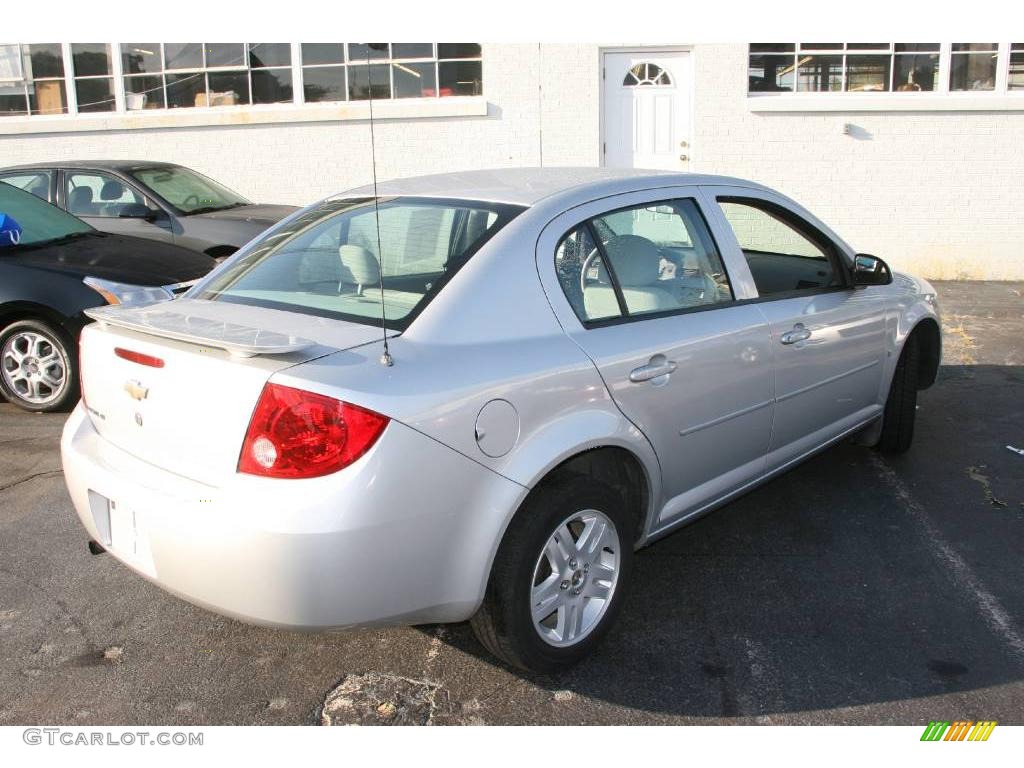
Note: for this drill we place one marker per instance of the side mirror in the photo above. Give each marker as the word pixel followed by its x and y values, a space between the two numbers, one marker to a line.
pixel 870 270
pixel 137 211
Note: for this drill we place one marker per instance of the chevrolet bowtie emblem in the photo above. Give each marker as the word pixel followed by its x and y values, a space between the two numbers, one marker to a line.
pixel 135 389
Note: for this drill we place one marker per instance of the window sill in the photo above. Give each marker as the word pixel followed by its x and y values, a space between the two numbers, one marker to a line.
pixel 887 102
pixel 452 106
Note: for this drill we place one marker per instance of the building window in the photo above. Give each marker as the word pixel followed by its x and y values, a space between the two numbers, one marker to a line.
pixel 55 78
pixel 879 67
pixel 32 79
pixel 973 66
pixel 646 73
pixel 1015 79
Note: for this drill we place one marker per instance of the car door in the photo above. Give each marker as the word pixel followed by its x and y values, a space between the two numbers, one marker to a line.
pixel 113 205
pixel 639 284
pixel 828 339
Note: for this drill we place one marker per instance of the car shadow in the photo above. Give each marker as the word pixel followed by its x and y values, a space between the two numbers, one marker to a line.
pixel 855 578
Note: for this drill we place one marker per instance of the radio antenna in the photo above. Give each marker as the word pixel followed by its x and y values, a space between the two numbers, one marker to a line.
pixel 385 359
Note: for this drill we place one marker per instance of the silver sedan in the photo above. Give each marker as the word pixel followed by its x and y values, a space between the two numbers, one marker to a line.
pixel 473 396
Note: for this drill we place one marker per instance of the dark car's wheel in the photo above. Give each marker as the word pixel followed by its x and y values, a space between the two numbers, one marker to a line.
pixel 560 575
pixel 901 406
pixel 38 366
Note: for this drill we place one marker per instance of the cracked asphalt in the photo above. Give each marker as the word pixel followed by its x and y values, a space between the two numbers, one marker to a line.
pixel 855 589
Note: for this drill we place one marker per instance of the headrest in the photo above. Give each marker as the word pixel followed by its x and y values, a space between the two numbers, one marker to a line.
pixel 358 265
pixel 636 260
pixel 112 190
pixel 81 195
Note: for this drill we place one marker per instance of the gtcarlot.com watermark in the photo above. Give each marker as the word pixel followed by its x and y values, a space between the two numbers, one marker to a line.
pixel 74 737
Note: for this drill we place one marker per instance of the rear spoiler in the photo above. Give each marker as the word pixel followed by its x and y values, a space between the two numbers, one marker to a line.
pixel 235 339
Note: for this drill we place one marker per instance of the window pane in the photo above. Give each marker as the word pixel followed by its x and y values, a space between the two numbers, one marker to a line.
pixel 323 83
pixel 362 51
pixel 36 182
pixel 458 50
pixel 916 73
pixel 975 46
pixel 917 47
pixel 414 80
pixel 140 57
pixel 867 46
pixel 47 60
pixel 12 102
pixel 186 90
pixel 95 94
pixel 867 73
pixel 820 73
pixel 270 54
pixel 183 55
pixel 323 53
pixel 781 259
pixel 771 73
pixel 821 46
pixel 972 72
pixel 590 294
pixel 460 78
pixel 662 257
pixel 412 50
pixel 361 78
pixel 772 47
pixel 1016 79
pixel 47 97
pixel 228 88
pixel 225 55
pixel 271 86
pixel 144 92
pixel 91 59
pixel 95 194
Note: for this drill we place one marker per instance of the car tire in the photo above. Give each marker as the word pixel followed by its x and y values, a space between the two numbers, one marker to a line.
pixel 38 366
pixel 901 405
pixel 590 585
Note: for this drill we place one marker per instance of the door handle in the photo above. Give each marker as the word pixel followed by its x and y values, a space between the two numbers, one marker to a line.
pixel 654 369
pixel 799 333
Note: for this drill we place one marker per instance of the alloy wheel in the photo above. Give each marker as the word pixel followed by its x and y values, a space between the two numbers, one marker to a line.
pixel 34 367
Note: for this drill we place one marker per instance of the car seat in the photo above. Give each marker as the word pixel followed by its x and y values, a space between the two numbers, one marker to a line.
pixel 80 202
pixel 359 267
pixel 636 262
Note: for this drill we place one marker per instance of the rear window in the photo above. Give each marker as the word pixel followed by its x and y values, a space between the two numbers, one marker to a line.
pixel 330 262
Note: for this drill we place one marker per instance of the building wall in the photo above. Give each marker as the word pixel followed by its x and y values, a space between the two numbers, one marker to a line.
pixel 933 192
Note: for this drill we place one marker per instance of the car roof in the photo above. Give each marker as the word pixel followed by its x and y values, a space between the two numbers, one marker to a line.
pixel 102 165
pixel 528 186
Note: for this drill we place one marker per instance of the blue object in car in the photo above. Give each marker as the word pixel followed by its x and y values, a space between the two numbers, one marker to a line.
pixel 10 231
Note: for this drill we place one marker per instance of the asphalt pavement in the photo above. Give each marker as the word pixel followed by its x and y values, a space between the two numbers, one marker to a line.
pixel 855 589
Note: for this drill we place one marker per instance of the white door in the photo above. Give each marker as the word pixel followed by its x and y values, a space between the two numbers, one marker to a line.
pixel 647 110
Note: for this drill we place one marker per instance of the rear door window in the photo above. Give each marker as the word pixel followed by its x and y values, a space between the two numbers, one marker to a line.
pixel 36 182
pixel 333 261
pixel 98 194
pixel 651 259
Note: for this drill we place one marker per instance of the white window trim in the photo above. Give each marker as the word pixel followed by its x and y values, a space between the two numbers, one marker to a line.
pixel 1001 99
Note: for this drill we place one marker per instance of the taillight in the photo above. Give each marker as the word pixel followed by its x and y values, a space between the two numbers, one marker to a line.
pixel 299 434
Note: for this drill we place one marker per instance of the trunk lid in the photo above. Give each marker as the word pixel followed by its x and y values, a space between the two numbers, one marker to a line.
pixel 190 414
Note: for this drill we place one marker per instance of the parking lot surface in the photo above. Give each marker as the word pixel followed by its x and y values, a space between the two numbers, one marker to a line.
pixel 856 589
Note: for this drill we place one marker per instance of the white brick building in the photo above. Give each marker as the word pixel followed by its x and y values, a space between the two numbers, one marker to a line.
pixel 910 151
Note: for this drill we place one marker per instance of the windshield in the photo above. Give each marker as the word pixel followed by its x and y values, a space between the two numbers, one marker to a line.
pixel 188 191
pixel 326 261
pixel 39 221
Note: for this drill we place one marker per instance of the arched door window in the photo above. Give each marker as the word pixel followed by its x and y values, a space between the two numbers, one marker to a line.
pixel 646 73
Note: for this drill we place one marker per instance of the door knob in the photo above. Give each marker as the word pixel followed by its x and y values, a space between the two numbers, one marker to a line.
pixel 656 367
pixel 683 143
pixel 683 157
pixel 799 333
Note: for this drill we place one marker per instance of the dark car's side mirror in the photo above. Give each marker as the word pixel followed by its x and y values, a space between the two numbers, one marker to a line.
pixel 137 211
pixel 870 270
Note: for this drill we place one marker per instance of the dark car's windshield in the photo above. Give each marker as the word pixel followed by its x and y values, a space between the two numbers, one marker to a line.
pixel 186 190
pixel 39 221
pixel 327 261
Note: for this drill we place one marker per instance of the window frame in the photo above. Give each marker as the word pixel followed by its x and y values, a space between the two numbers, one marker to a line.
pixel 625 316
pixel 833 252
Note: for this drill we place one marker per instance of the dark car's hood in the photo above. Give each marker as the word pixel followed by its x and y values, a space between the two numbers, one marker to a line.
pixel 257 214
pixel 113 257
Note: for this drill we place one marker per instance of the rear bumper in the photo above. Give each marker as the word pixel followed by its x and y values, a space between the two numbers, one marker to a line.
pixel 404 535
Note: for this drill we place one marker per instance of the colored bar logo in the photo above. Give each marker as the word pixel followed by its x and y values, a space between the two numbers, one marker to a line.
pixel 959 730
